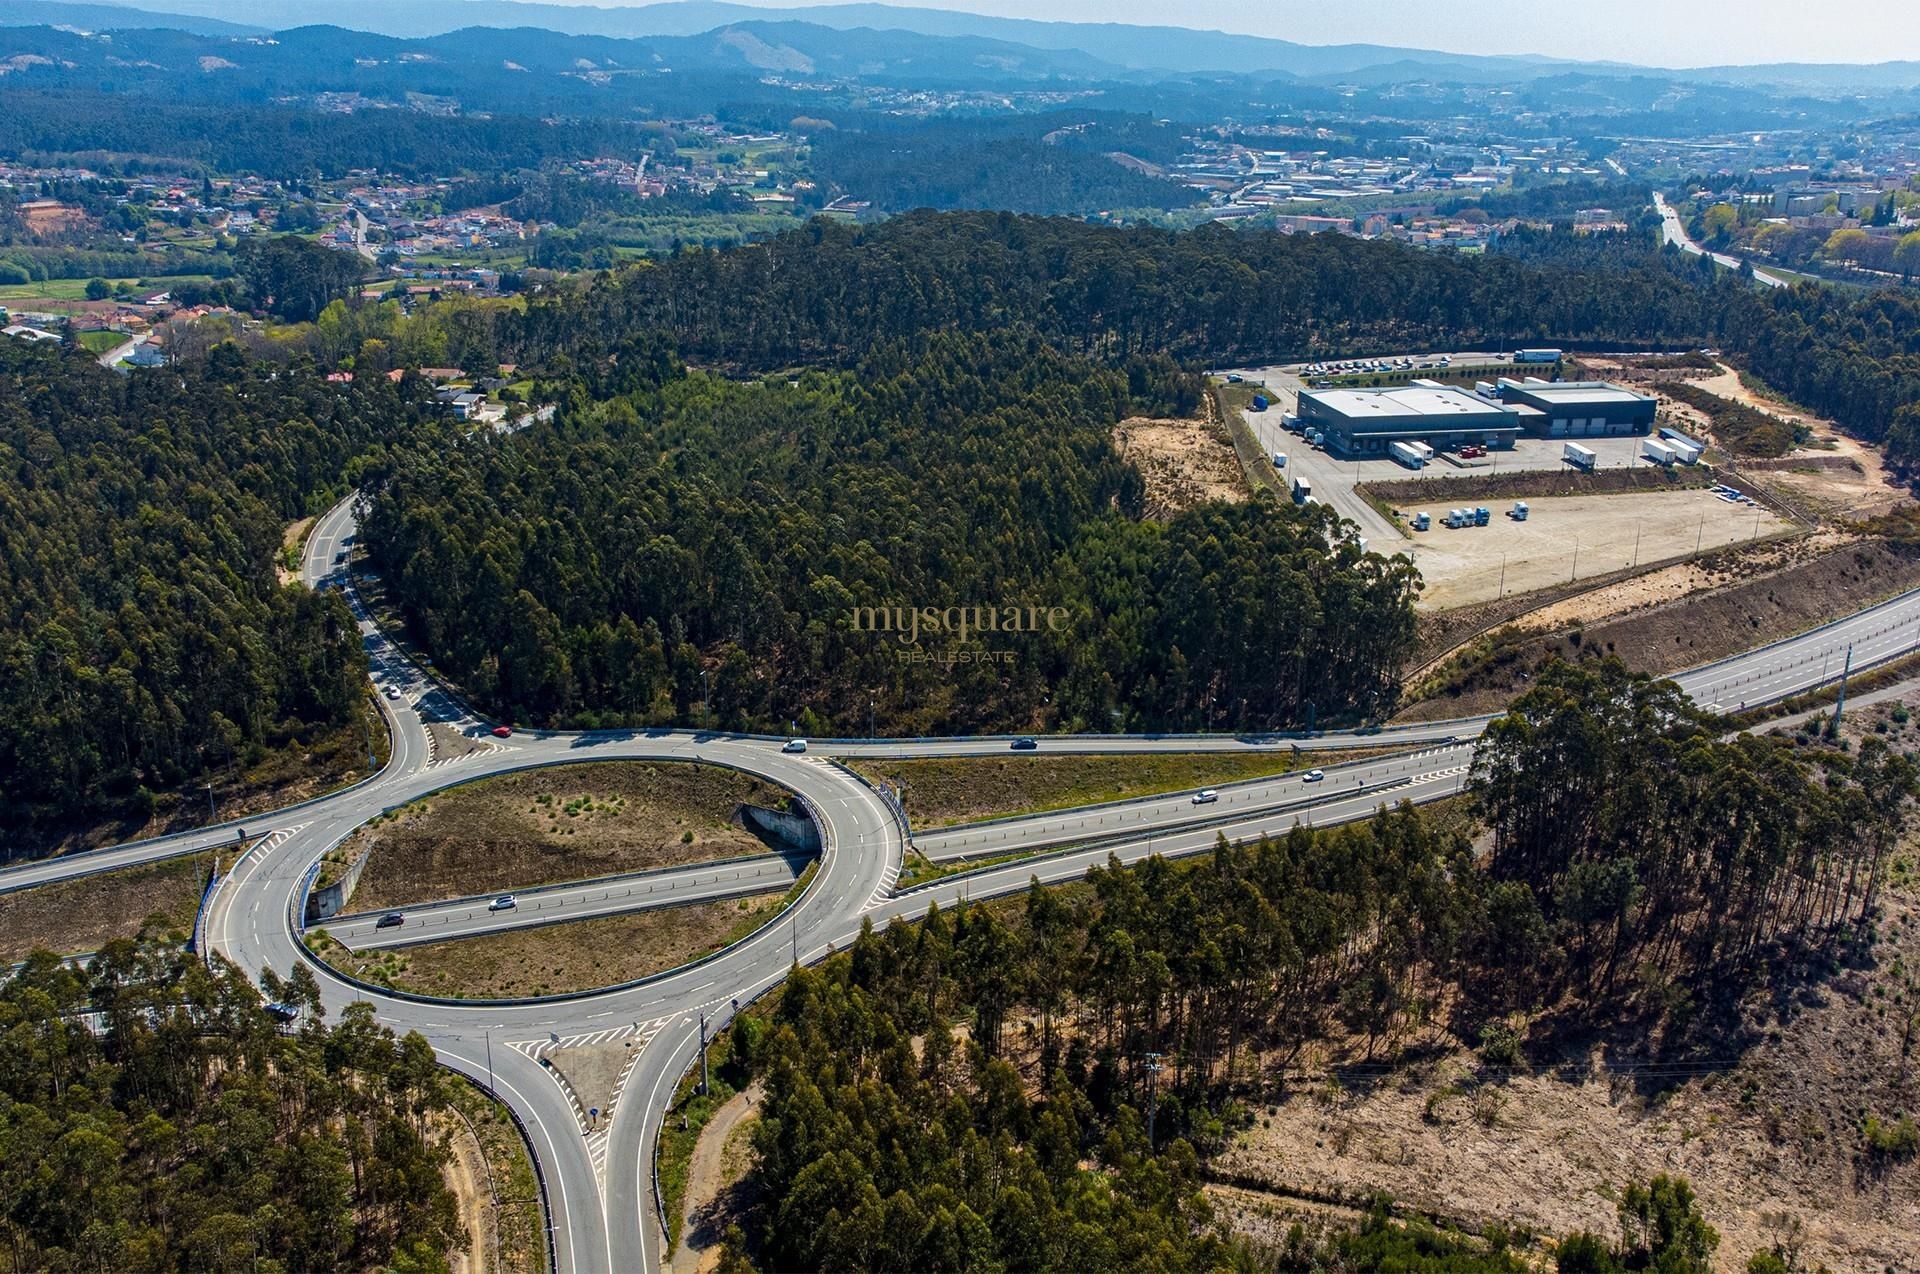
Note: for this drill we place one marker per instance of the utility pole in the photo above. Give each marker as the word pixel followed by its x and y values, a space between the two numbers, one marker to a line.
pixel 1840 705
pixel 1637 528
pixel 1503 575
pixel 1699 536
pixel 213 815
pixel 1153 1068
pixel 1575 573
pixel 703 1053
pixel 870 733
pixel 489 1035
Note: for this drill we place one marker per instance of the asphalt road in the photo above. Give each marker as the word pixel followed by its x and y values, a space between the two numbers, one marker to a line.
pixel 1672 231
pixel 599 1182
pixel 577 900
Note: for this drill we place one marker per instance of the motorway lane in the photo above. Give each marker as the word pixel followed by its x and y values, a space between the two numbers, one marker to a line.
pixel 251 925
pixel 1672 231
pixel 576 900
pixel 1162 814
pixel 602 1204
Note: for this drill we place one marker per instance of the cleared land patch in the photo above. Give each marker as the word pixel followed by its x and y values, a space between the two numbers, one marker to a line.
pixel 556 959
pixel 1184 462
pixel 544 826
pixel 1567 537
pixel 942 792
pixel 76 916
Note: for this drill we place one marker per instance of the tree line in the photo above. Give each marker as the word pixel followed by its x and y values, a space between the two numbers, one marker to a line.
pixel 676 546
pixel 973 1091
pixel 188 1131
pixel 144 634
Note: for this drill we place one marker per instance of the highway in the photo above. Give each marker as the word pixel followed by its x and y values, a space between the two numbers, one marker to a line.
pixel 598 1181
pixel 1672 231
pixel 577 900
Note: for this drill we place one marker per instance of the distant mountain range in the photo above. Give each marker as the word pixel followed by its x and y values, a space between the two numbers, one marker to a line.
pixel 1022 48
pixel 920 45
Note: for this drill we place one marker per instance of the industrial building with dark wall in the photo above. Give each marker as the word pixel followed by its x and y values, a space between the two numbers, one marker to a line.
pixel 1358 423
pixel 1577 408
pixel 1366 422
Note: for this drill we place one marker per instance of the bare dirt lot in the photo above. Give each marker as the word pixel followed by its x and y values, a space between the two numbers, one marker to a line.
pixel 544 826
pixel 1774 1133
pixel 76 916
pixel 1570 536
pixel 557 959
pixel 1184 462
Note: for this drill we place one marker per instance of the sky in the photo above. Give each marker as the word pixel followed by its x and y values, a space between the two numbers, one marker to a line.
pixel 1650 32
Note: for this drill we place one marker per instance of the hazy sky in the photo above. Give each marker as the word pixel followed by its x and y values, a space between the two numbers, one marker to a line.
pixel 1654 32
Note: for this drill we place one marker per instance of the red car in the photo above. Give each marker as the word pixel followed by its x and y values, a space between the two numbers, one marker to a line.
pixel 503 732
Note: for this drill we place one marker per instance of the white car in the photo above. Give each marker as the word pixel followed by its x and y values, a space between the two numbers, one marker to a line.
pixel 393 692
pixel 1312 776
pixel 794 745
pixel 505 902
pixel 1206 796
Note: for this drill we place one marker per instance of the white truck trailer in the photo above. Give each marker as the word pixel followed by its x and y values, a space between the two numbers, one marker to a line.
pixel 1658 452
pixel 1578 456
pixel 1408 454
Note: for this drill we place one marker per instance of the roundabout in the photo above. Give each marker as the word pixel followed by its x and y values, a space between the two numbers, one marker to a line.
pixel 593 1152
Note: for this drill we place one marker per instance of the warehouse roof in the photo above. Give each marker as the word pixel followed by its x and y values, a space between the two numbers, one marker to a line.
pixel 1575 391
pixel 1374 404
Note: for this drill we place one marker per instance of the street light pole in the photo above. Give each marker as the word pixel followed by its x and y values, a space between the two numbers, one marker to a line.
pixel 1575 573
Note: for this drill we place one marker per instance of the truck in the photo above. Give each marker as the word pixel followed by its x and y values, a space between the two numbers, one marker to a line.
pixel 1422 521
pixel 1519 511
pixel 1302 490
pixel 1658 452
pixel 1684 452
pixel 1279 459
pixel 1407 454
pixel 1537 356
pixel 1482 516
pixel 1578 456
pixel 1259 402
pixel 1457 518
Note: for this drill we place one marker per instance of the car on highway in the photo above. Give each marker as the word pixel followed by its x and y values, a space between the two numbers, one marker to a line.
pixel 794 745
pixel 503 732
pixel 392 920
pixel 1312 776
pixel 505 902
pixel 1023 744
pixel 1205 796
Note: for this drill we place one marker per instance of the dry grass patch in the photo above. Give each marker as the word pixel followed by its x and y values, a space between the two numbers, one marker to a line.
pixel 559 959
pixel 1184 462
pixel 76 916
pixel 539 827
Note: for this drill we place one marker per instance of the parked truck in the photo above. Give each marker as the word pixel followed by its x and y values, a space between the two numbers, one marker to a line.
pixel 1519 511
pixel 1658 452
pixel 1684 452
pixel 1578 456
pixel 1302 490
pixel 1259 402
pixel 1408 454
pixel 1422 521
pixel 1482 516
pixel 1279 459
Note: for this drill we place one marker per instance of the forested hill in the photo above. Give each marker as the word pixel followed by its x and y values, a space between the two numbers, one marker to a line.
pixel 144 635
pixel 829 291
pixel 586 570
pixel 1216 296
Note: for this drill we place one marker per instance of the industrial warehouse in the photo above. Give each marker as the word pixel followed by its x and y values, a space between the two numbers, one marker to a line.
pixel 1357 423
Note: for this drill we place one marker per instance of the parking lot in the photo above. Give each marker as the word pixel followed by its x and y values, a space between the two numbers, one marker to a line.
pixel 1573 537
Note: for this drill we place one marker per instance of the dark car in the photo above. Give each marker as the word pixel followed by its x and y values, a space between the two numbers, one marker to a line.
pixel 1023 744
pixel 392 920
